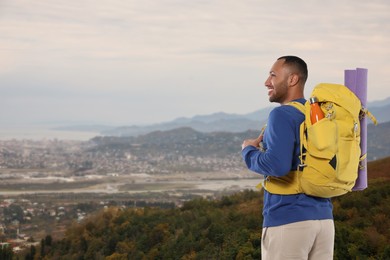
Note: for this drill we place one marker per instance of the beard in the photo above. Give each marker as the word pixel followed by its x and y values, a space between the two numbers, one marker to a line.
pixel 276 98
pixel 278 94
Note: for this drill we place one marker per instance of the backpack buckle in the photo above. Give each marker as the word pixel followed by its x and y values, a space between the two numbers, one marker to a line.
pixel 301 166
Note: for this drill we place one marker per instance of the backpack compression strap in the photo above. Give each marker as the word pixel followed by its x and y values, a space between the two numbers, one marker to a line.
pixel 364 112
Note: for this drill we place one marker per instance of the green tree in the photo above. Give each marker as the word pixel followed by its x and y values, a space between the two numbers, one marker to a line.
pixel 6 252
pixel 386 253
pixel 31 254
pixel 48 240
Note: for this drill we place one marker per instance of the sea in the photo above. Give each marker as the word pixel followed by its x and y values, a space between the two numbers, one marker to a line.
pixel 42 133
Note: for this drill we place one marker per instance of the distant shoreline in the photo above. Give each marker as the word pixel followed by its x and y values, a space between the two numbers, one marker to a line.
pixel 43 133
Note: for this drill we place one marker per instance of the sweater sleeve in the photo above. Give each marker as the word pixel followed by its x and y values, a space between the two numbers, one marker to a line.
pixel 279 138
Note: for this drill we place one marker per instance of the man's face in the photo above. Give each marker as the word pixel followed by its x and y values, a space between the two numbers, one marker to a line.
pixel 277 82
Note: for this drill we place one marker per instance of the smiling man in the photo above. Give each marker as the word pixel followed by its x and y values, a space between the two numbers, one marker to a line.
pixel 295 226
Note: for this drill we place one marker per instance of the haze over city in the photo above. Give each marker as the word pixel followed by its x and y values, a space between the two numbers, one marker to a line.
pixel 138 62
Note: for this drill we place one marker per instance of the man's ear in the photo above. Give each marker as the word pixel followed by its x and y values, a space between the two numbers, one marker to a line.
pixel 293 79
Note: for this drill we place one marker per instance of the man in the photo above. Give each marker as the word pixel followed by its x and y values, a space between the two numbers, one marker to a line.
pixel 295 226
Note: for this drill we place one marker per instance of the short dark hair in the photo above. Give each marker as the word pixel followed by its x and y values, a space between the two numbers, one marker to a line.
pixel 298 64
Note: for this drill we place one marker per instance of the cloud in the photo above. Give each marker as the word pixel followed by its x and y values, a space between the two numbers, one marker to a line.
pixel 171 58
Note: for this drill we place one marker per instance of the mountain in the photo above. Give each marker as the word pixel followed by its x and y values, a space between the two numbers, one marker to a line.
pixel 187 141
pixel 168 144
pixel 217 122
pixel 224 122
pixel 378 142
pixel 379 103
pixel 381 113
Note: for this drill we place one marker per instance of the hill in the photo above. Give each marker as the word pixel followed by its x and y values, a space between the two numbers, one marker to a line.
pixel 218 122
pixel 225 122
pixel 189 142
pixel 379 170
pixel 228 228
pixel 378 142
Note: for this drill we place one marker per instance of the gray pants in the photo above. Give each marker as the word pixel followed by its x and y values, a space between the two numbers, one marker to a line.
pixel 312 239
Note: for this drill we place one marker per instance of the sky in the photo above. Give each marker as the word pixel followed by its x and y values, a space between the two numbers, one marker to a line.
pixel 125 62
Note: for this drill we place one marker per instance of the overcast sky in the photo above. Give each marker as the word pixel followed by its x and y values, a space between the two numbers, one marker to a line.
pixel 144 61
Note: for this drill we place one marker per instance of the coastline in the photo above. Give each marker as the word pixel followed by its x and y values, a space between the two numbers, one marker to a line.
pixel 43 133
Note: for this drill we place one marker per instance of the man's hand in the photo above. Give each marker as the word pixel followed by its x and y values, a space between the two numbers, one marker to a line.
pixel 253 142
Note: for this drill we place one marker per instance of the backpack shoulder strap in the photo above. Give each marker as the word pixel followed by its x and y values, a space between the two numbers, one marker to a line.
pixel 302 108
pixel 297 105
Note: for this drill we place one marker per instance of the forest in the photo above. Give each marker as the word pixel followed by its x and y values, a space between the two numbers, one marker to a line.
pixel 228 228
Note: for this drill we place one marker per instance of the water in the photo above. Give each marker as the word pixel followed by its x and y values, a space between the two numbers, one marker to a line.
pixel 42 133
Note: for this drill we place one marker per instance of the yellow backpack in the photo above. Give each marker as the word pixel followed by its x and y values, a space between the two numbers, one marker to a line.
pixel 330 148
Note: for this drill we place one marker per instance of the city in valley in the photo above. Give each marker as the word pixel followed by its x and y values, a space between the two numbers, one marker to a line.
pixel 47 185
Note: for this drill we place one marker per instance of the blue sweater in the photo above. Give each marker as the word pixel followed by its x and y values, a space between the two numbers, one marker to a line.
pixel 282 148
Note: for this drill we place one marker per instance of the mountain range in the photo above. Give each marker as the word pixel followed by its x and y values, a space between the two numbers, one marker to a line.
pixel 224 122
pixel 187 141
